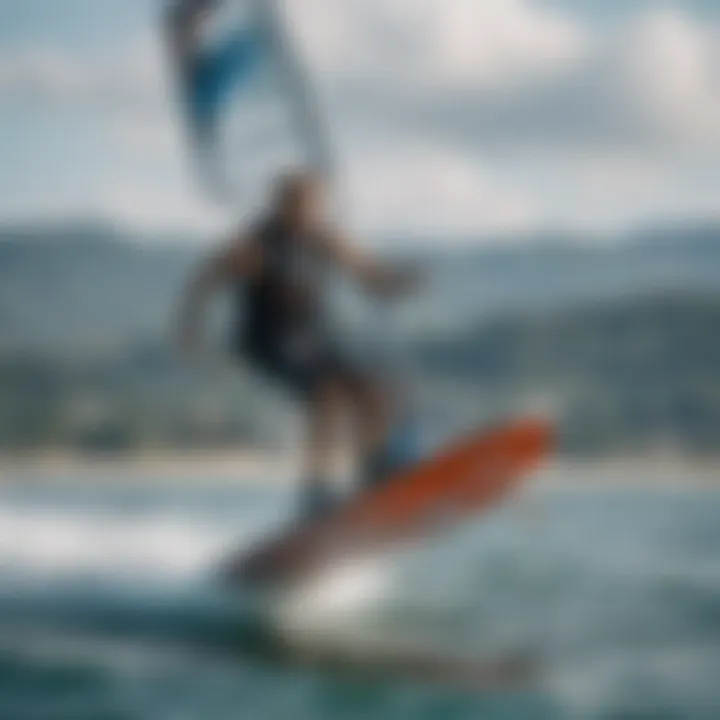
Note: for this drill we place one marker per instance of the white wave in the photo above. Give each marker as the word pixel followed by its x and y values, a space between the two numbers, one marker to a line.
pixel 339 596
pixel 53 544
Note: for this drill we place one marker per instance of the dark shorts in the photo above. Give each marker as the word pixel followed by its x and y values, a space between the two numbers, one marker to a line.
pixel 303 373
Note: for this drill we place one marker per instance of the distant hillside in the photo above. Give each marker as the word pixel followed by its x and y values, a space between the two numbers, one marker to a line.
pixel 626 375
pixel 622 338
pixel 89 289
pixel 629 375
pixel 86 289
pixel 553 272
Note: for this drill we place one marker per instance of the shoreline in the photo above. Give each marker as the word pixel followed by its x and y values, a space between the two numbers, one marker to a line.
pixel 169 466
pixel 250 467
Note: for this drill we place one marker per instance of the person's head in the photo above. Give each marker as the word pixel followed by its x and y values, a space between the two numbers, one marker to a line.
pixel 298 199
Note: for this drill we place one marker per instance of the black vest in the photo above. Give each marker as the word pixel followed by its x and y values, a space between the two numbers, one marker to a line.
pixel 287 298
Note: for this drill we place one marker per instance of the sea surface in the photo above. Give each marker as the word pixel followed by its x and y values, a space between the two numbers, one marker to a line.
pixel 566 603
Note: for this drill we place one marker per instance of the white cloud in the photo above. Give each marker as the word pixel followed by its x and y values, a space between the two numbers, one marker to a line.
pixel 672 76
pixel 410 191
pixel 486 72
pixel 435 103
pixel 538 81
pixel 431 44
pixel 157 208
pixel 130 81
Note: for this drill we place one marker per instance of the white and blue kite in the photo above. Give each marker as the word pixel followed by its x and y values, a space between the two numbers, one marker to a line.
pixel 248 103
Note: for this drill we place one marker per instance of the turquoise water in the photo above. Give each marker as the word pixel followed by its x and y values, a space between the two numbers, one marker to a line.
pixel 110 608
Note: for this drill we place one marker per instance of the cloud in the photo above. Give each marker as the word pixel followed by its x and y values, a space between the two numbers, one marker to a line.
pixel 497 72
pixel 452 116
pixel 433 44
pixel 670 70
pixel 158 207
pixel 129 81
pixel 485 74
pixel 422 191
pixel 522 78
pixel 618 123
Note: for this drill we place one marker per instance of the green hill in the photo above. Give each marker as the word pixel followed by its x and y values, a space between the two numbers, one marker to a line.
pixel 626 375
pixel 621 338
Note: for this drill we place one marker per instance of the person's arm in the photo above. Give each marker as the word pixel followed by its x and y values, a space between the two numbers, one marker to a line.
pixel 375 276
pixel 240 260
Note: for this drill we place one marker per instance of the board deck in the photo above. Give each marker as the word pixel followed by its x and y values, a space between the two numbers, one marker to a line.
pixel 454 486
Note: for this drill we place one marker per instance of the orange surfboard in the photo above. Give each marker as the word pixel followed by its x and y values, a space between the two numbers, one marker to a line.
pixel 458 484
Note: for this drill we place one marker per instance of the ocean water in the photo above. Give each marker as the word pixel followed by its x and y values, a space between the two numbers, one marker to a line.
pixel 601 603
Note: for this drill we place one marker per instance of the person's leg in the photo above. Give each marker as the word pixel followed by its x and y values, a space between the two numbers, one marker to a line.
pixel 375 414
pixel 323 395
pixel 374 409
pixel 325 407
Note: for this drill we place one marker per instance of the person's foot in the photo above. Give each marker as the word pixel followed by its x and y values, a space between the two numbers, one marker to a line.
pixel 401 451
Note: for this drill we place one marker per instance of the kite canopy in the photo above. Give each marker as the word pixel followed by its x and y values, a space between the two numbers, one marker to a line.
pixel 249 107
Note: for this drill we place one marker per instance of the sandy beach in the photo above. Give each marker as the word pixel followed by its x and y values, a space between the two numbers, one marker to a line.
pixel 249 467
pixel 240 466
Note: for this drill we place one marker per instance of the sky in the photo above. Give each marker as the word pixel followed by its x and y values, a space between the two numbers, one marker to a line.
pixel 453 119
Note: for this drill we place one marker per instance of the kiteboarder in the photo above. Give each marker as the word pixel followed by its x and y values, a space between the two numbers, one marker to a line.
pixel 280 269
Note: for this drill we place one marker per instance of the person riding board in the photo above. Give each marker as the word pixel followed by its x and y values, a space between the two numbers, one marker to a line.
pixel 280 268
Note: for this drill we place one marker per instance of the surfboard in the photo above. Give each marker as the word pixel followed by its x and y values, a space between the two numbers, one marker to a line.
pixel 458 484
